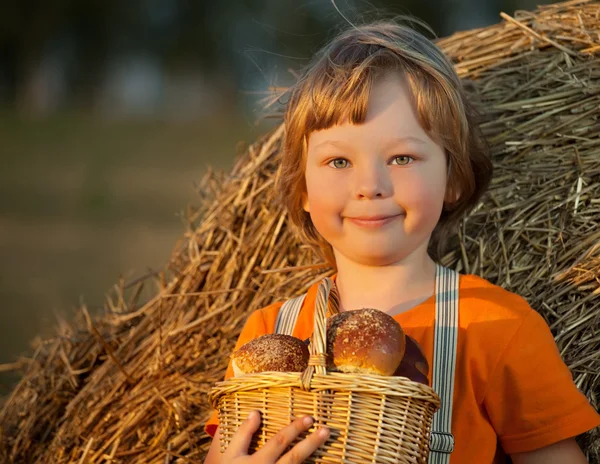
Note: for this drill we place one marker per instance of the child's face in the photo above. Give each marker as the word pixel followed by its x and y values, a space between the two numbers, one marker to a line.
pixel 375 191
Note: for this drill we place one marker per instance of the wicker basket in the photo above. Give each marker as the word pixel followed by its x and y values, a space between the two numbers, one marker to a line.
pixel 372 418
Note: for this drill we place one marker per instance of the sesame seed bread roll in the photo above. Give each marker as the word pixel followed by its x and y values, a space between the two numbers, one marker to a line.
pixel 365 341
pixel 270 352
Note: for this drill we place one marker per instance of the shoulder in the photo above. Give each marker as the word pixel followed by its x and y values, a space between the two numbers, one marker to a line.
pixel 481 300
pixel 505 331
pixel 494 318
pixel 258 322
pixel 262 321
pixel 266 316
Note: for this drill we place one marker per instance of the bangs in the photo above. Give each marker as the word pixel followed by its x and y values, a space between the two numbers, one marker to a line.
pixel 331 101
pixel 340 91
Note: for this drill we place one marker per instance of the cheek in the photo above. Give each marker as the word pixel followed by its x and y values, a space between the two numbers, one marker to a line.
pixel 423 196
pixel 322 191
pixel 325 201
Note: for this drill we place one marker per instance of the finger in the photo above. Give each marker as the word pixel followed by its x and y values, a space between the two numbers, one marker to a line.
pixel 277 444
pixel 238 446
pixel 306 447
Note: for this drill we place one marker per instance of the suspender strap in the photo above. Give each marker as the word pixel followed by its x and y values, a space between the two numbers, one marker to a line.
pixel 444 363
pixel 287 315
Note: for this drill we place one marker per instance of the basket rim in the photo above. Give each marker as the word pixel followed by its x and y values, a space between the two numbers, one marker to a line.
pixel 360 383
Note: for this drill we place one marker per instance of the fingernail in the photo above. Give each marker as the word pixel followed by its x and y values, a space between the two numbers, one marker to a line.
pixel 323 432
pixel 307 420
pixel 252 415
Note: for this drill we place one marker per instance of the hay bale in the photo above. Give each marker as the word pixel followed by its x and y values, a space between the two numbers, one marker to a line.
pixel 131 385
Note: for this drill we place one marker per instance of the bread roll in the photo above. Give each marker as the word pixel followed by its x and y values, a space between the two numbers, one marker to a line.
pixel 414 364
pixel 271 352
pixel 366 341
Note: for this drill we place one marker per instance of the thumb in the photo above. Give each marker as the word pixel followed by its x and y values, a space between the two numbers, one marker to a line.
pixel 243 436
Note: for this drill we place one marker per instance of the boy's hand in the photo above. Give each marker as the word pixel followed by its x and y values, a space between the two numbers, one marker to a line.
pixel 237 451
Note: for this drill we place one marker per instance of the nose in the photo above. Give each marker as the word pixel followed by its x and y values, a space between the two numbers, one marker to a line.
pixel 373 181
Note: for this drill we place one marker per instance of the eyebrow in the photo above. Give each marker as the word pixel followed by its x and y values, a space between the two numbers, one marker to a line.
pixel 394 141
pixel 335 143
pixel 408 138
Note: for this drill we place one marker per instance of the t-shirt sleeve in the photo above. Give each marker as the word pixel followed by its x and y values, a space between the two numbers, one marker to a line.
pixel 254 327
pixel 531 399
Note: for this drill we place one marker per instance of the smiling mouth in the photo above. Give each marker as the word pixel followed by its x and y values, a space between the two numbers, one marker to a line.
pixel 376 221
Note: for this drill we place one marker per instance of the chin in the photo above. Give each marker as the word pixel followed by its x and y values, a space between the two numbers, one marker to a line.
pixel 378 259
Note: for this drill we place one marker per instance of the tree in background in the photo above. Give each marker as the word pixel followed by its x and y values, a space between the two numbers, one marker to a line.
pixel 57 53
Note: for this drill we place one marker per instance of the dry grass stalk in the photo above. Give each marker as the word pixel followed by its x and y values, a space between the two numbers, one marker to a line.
pixel 131 386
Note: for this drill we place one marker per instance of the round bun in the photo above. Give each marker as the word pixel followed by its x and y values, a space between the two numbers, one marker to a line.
pixel 366 341
pixel 414 364
pixel 271 352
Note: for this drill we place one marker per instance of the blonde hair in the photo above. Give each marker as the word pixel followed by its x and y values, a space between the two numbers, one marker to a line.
pixel 335 87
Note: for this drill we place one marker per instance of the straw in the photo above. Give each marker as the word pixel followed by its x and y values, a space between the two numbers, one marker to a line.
pixel 131 384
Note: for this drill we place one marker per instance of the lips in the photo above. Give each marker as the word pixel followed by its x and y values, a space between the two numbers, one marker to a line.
pixel 373 221
pixel 374 218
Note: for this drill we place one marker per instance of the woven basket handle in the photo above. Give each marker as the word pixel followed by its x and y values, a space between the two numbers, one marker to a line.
pixel 318 341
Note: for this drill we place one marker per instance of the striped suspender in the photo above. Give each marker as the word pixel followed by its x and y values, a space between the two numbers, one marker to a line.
pixel 441 443
pixel 288 313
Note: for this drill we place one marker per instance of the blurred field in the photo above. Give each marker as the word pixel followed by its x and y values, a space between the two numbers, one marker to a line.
pixel 83 201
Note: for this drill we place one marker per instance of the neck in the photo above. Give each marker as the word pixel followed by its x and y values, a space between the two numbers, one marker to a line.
pixel 393 288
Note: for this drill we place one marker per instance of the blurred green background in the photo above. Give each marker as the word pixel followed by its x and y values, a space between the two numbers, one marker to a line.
pixel 111 110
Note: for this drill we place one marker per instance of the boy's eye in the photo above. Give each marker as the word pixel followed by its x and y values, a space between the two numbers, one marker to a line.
pixel 401 159
pixel 339 163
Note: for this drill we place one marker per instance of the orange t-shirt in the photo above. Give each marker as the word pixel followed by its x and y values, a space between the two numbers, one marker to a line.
pixel 511 386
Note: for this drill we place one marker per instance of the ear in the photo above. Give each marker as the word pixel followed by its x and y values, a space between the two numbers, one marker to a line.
pixel 305 203
pixel 453 192
pixel 452 196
